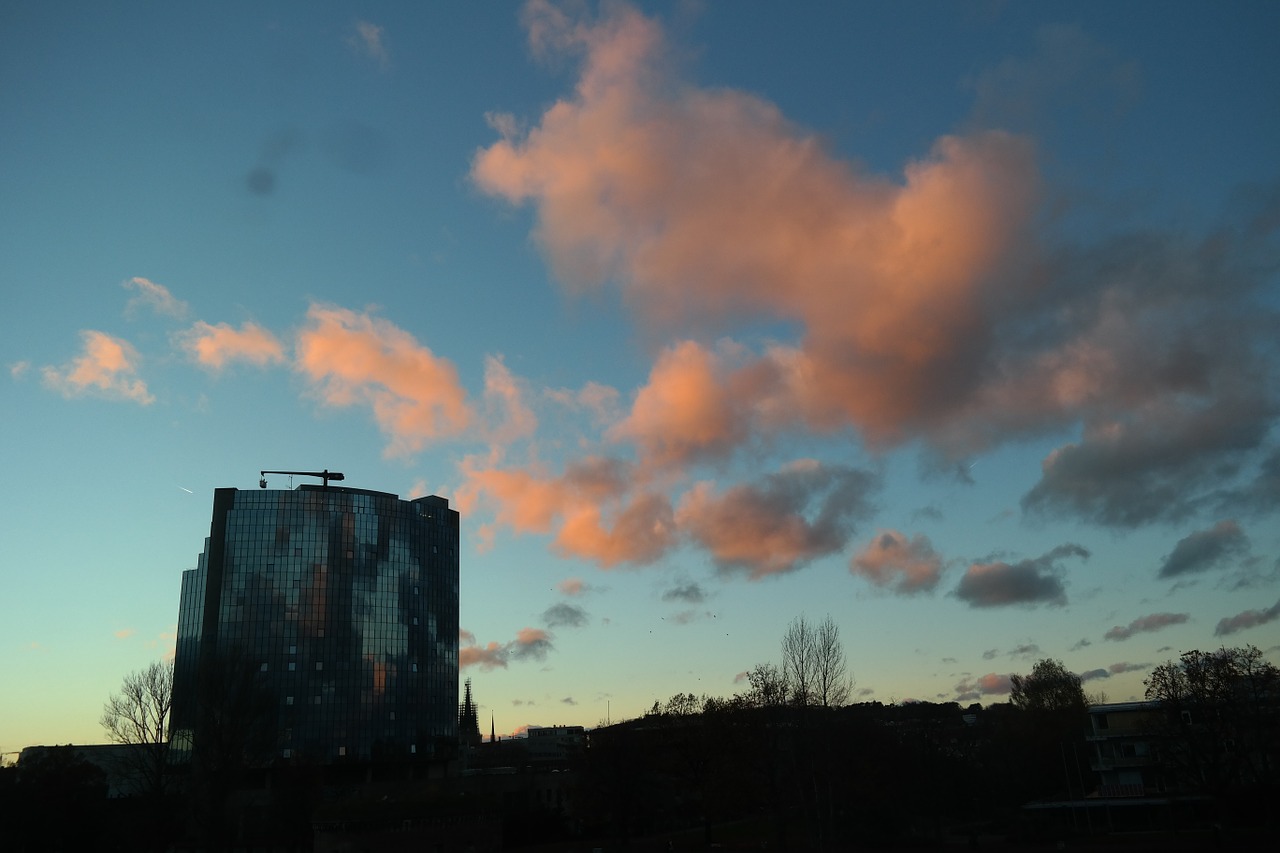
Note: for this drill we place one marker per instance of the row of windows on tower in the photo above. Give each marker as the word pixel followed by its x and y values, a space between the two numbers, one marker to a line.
pixel 342 751
pixel 292 666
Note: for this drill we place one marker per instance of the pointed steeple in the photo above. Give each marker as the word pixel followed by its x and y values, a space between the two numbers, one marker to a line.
pixel 493 738
pixel 468 719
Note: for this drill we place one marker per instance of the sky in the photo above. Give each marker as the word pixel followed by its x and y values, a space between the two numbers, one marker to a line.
pixel 955 322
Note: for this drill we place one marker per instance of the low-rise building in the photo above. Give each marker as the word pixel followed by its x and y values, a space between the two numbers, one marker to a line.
pixel 1126 742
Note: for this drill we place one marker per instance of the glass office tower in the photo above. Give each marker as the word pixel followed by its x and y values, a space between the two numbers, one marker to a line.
pixel 339 607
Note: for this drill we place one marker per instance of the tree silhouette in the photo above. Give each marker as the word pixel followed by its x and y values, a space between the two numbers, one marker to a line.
pixel 814 666
pixel 1048 728
pixel 138 717
pixel 1049 687
pixel 1222 714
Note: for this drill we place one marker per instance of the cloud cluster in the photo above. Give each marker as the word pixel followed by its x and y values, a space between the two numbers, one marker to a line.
pixel 530 644
pixel 1205 549
pixel 1247 619
pixel 352 358
pixel 1146 624
pixel 893 560
pixel 990 684
pixel 1029 582
pixel 564 615
pixel 107 366
pixel 805 511
pixel 594 506
pixel 929 308
pixel 215 346
pixel 926 306
pixel 688 593
pixel 1114 669
pixel 573 587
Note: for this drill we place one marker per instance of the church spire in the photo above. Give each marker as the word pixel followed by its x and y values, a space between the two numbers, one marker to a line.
pixel 468 719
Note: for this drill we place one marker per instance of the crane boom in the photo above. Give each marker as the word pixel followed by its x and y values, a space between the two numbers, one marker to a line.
pixel 325 475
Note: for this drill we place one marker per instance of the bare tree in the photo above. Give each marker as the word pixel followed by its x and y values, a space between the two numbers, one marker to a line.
pixel 814 664
pixel 138 717
pixel 834 683
pixel 799 660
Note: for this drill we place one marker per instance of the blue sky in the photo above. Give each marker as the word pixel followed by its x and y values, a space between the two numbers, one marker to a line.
pixel 952 321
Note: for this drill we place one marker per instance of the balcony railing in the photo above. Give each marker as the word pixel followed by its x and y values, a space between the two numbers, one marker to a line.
pixel 1120 761
pixel 1122 790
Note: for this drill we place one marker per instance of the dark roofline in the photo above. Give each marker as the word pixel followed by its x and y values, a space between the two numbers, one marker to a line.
pixel 345 490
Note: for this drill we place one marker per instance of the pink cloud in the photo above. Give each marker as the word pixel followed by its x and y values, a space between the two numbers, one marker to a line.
pixel 991 684
pixel 529 644
pixel 107 366
pixel 487 657
pixel 354 358
pixel 913 296
pixel 594 507
pixel 640 179
pixel 572 587
pixel 805 511
pixel 891 556
pixel 216 346
pixel 686 411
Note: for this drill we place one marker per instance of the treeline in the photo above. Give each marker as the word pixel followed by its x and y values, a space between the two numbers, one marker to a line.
pixel 786 761
pixel 776 763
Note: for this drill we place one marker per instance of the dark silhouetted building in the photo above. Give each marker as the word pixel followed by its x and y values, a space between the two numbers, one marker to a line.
pixel 338 607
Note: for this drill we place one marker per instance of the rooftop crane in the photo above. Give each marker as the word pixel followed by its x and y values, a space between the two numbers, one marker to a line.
pixel 325 475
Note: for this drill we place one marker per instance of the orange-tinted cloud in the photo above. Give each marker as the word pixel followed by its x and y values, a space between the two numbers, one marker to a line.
pixel 803 512
pixel 107 366
pixel 572 587
pixel 891 559
pixel 708 206
pixel 924 305
pixel 687 410
pixel 216 346
pixel 487 657
pixel 353 358
pixel 991 684
pixel 529 644
pixel 593 506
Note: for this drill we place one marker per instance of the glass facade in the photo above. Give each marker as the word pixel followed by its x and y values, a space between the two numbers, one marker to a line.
pixel 344 603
